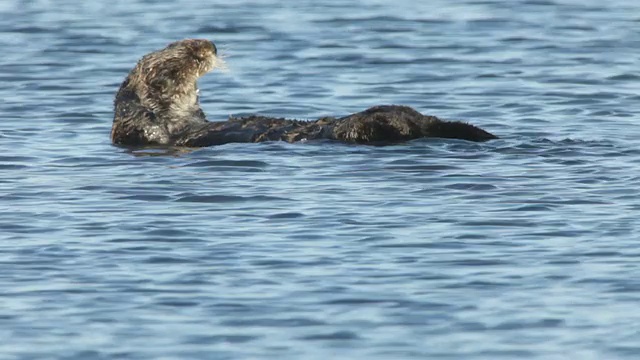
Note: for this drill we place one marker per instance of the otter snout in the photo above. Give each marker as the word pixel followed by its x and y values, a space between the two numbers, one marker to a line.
pixel 215 49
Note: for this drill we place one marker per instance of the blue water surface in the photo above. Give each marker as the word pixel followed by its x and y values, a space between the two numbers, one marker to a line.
pixel 518 248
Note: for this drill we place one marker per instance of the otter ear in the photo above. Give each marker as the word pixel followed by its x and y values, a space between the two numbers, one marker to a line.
pixel 174 44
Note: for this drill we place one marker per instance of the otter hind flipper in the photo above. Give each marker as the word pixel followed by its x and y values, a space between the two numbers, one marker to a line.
pixel 457 130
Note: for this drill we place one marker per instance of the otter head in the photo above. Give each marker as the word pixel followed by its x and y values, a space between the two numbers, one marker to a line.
pixel 165 80
pixel 202 53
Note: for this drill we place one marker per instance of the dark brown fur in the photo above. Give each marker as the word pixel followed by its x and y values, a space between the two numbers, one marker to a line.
pixel 157 104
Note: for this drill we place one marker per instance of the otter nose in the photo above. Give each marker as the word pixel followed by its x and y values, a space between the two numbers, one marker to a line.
pixel 215 49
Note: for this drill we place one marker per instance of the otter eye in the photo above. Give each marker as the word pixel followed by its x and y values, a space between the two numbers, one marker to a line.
pixel 215 50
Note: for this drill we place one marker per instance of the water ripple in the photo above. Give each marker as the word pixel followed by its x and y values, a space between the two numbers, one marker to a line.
pixel 522 247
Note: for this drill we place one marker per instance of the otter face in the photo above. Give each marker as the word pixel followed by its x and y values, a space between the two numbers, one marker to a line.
pixel 203 52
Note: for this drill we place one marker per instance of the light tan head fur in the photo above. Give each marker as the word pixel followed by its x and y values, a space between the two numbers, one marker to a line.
pixel 165 80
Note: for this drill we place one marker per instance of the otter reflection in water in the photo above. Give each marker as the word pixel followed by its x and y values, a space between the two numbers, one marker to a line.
pixel 157 104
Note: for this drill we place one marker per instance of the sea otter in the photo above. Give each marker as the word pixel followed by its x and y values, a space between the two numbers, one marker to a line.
pixel 157 104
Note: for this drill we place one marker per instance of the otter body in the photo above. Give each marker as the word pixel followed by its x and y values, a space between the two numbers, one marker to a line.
pixel 157 104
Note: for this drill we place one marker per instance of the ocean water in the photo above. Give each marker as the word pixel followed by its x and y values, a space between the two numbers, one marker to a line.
pixel 519 248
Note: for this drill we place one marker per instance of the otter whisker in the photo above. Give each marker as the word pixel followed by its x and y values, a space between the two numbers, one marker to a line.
pixel 217 62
